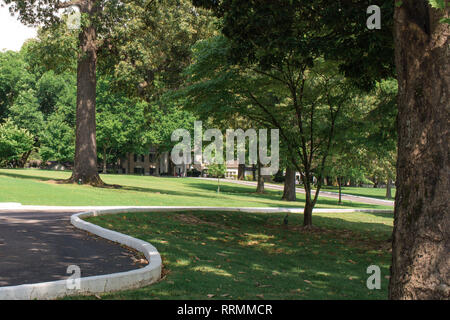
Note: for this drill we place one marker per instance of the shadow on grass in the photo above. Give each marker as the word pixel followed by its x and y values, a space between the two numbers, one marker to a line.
pixel 360 194
pixel 25 176
pixel 272 195
pixel 252 256
pixel 226 190
pixel 66 181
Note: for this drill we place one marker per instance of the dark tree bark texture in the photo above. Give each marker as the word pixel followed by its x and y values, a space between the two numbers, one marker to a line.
pixel 85 162
pixel 289 193
pixel 421 249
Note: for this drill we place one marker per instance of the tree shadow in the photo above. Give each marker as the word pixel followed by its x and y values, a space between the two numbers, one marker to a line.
pixel 30 177
pixel 272 195
pixel 249 256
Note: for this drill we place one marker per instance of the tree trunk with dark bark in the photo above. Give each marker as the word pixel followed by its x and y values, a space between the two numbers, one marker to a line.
pixel 339 179
pixel 24 159
pixel 85 162
pixel 260 186
pixel 389 189
pixel 289 193
pixel 157 162
pixel 105 163
pixel 421 239
pixel 241 172
pixel 307 213
pixel 309 203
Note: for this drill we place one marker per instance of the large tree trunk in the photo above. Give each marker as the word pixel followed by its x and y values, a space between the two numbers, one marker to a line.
pixel 289 193
pixel 85 166
pixel 421 239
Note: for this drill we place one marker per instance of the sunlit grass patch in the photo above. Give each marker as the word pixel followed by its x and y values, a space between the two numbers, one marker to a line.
pixel 255 256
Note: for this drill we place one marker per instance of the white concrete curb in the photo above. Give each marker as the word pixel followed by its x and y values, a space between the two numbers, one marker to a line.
pixel 9 205
pixel 135 278
pixel 95 284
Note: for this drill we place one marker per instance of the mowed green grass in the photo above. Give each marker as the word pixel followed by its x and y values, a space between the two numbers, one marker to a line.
pixel 38 187
pixel 220 255
pixel 379 193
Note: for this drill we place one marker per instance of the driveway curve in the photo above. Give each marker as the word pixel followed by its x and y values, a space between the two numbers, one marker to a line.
pixel 39 245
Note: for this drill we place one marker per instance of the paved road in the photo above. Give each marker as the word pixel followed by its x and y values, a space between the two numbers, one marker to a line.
pixel 38 246
pixel 325 194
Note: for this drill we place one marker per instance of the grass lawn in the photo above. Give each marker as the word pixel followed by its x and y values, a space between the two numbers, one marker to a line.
pixel 38 187
pixel 379 193
pixel 217 255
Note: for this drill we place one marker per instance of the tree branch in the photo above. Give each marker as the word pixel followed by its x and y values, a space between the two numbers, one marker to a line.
pixel 63 5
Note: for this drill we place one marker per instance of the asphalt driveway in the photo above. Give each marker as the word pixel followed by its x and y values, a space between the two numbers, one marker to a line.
pixel 39 245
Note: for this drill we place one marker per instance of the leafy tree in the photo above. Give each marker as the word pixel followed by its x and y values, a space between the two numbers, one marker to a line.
pixel 346 164
pixel 365 142
pixel 25 113
pixel 381 139
pixel 148 54
pixel 283 40
pixel 162 117
pixel 264 31
pixel 99 19
pixel 141 42
pixel 302 103
pixel 120 123
pixel 217 170
pixel 57 140
pixel 218 92
pixel 54 90
pixel 14 78
pixel 14 142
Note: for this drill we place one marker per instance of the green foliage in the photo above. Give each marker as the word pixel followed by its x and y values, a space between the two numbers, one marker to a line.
pixel 366 139
pixel 267 32
pixel 14 142
pixel 438 4
pixel 56 91
pixel 220 89
pixel 25 113
pixel 234 255
pixel 54 49
pixel 58 139
pixel 120 122
pixel 162 118
pixel 27 187
pixel 217 170
pixel 14 78
pixel 442 5
pixel 147 53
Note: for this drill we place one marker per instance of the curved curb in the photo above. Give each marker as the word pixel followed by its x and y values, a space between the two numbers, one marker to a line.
pixel 95 284
pixel 134 278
